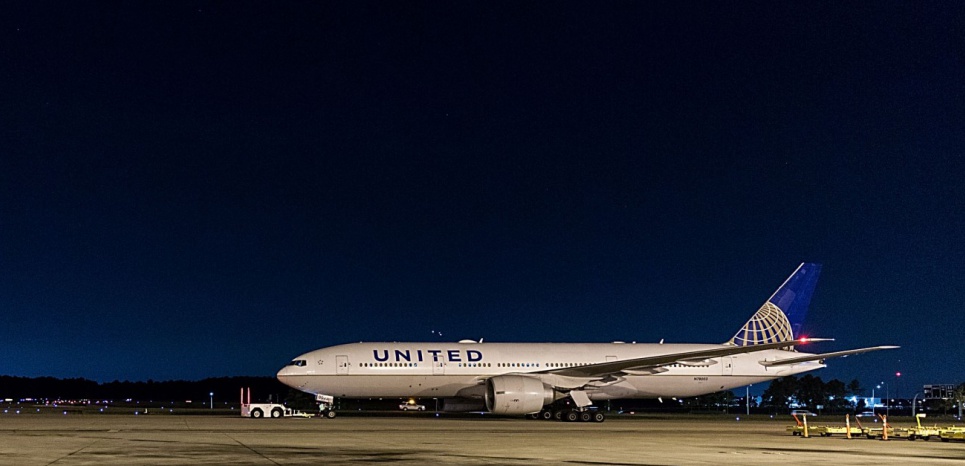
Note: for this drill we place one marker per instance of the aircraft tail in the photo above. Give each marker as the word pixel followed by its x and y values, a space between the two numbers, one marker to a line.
pixel 780 318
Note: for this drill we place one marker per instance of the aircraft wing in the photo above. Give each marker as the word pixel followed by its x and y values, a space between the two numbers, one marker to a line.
pixel 650 362
pixel 818 357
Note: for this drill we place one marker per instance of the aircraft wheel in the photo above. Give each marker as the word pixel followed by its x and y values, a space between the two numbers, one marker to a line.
pixel 599 417
pixel 276 413
pixel 533 416
pixel 586 416
pixel 546 414
pixel 257 414
pixel 330 414
pixel 558 415
pixel 571 416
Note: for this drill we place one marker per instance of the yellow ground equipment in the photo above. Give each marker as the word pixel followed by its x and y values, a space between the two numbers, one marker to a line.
pixel 923 432
pixel 827 431
pixel 796 429
pixel 886 430
pixel 952 433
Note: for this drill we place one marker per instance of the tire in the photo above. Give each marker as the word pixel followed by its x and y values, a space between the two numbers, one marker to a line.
pixel 599 417
pixel 586 416
pixel 330 414
pixel 571 416
pixel 275 413
pixel 558 415
pixel 546 415
pixel 257 413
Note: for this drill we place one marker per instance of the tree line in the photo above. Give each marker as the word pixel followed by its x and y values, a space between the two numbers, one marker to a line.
pixel 807 391
pixel 224 388
pixel 811 392
pixel 835 396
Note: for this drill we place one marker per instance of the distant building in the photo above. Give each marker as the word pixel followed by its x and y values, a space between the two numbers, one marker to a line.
pixel 945 390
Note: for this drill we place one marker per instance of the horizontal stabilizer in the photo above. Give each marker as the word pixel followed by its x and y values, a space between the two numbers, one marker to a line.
pixel 818 357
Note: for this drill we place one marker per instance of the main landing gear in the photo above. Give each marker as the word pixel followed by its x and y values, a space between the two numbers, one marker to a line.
pixel 569 415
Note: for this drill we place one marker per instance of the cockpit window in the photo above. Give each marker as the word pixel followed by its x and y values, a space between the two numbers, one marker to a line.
pixel 297 362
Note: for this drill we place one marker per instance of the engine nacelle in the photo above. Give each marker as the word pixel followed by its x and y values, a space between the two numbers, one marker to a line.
pixel 517 394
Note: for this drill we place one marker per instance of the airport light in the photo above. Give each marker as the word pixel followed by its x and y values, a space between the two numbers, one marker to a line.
pixel 887 397
pixel 873 404
pixel 211 394
pixel 747 399
pixel 897 375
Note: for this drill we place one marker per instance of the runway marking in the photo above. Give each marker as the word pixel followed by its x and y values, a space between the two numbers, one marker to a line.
pixel 252 450
pixel 75 451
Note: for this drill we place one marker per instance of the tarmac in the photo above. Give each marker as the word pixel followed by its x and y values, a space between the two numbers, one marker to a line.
pixel 48 439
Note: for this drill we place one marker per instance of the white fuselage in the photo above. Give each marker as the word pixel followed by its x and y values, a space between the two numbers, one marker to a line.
pixel 361 370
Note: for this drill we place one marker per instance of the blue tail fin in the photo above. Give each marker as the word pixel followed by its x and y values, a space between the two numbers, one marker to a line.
pixel 780 318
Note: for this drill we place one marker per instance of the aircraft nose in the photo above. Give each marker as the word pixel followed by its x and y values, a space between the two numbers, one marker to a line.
pixel 285 376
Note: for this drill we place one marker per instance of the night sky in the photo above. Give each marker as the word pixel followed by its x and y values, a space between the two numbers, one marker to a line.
pixel 204 189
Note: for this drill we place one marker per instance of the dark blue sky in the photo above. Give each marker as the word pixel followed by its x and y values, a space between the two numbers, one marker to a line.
pixel 198 189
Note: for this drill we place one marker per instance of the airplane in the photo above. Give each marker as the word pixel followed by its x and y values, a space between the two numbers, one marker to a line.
pixel 561 380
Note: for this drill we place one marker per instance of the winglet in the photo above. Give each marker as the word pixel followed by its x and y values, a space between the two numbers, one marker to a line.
pixel 780 318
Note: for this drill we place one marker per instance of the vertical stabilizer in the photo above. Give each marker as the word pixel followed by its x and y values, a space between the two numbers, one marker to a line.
pixel 780 318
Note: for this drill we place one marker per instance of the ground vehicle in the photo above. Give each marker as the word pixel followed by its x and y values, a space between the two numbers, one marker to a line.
pixel 802 412
pixel 865 414
pixel 326 406
pixel 412 406
pixel 260 410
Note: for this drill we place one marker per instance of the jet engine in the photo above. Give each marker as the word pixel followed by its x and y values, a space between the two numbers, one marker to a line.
pixel 517 394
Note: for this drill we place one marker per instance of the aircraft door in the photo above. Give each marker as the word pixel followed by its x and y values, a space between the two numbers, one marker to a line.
pixel 439 366
pixel 727 365
pixel 341 365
